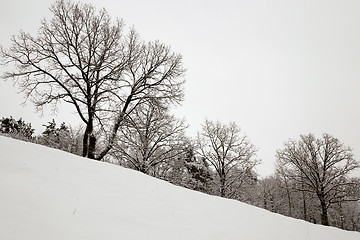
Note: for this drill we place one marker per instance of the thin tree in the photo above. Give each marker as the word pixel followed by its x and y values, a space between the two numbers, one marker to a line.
pixel 282 176
pixel 270 192
pixel 319 166
pixel 231 155
pixel 82 57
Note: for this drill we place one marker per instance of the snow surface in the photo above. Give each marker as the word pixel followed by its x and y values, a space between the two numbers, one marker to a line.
pixel 50 194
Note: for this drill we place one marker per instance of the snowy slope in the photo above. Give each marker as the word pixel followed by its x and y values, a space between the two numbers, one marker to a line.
pixel 49 194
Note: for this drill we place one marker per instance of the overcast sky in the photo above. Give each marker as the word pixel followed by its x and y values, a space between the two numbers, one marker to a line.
pixel 277 68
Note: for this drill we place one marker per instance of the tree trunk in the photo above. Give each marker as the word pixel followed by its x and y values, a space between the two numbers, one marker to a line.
pixel 288 197
pixel 92 145
pixel 265 198
pixel 304 198
pixel 304 206
pixel 324 213
pixel 222 186
pixel 85 143
pixel 89 140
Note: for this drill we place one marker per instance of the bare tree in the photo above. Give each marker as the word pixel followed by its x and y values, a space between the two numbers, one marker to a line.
pixel 319 166
pixel 231 155
pixel 82 57
pixel 150 137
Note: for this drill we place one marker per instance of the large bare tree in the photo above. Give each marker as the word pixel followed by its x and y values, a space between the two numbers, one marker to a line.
pixel 150 137
pixel 82 57
pixel 319 166
pixel 230 154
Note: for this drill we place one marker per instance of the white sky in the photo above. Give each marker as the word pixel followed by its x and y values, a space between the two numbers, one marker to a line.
pixel 277 68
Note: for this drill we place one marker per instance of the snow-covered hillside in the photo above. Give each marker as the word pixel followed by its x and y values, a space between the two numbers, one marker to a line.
pixel 49 194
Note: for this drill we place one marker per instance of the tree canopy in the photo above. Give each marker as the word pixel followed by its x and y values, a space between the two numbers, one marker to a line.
pixel 319 166
pixel 82 57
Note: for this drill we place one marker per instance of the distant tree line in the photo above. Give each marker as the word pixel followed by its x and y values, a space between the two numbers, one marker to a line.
pixel 63 137
pixel 122 89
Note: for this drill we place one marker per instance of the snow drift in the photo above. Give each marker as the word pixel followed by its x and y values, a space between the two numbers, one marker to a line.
pixel 50 194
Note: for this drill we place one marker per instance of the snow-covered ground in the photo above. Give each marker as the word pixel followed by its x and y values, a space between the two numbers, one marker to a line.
pixel 49 194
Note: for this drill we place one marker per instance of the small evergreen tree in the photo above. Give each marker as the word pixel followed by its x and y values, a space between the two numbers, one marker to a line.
pixel 16 129
pixel 200 174
pixel 56 137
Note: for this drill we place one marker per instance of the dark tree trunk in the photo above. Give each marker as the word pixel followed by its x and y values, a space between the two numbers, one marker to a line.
pixel 85 143
pixel 222 188
pixel 265 198
pixel 324 213
pixel 222 185
pixel 89 140
pixel 92 145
